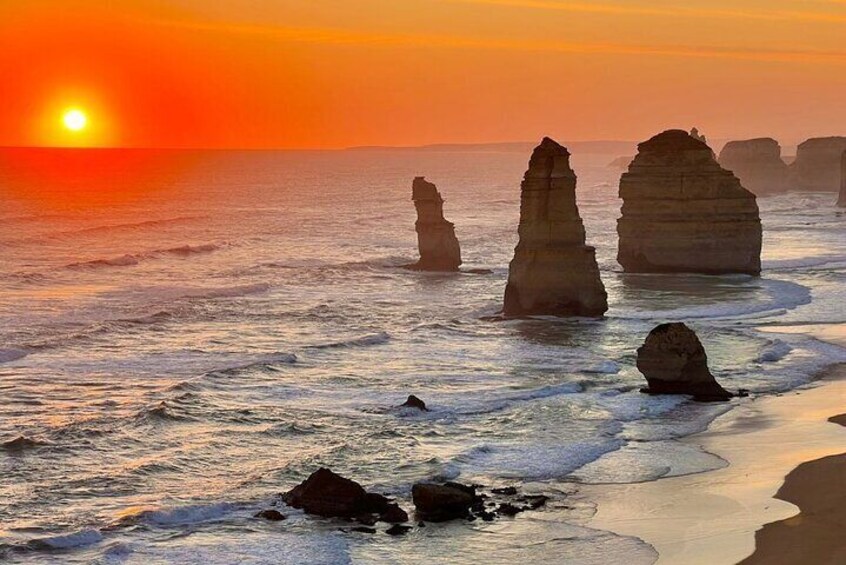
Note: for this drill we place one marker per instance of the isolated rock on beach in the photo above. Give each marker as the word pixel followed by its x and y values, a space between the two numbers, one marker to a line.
pixel 682 212
pixel 842 200
pixel 553 272
pixel 439 248
pixel 327 494
pixel 674 362
pixel 818 164
pixel 758 164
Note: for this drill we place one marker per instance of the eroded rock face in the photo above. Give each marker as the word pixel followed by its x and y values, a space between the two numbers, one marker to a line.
pixel 674 362
pixel 682 212
pixel 758 165
pixel 439 248
pixel 842 200
pixel 553 272
pixel 439 503
pixel 818 164
pixel 327 494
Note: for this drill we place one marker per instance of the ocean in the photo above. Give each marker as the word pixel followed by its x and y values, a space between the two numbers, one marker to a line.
pixel 184 335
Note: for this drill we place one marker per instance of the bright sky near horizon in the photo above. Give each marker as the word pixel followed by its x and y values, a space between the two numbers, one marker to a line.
pixel 336 73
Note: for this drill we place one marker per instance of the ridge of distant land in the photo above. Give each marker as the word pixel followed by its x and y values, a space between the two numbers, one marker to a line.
pixel 598 146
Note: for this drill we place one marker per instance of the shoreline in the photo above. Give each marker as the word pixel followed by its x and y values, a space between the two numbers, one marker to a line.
pixel 712 517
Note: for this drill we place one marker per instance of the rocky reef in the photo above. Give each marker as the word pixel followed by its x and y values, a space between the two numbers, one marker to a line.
pixel 674 362
pixel 439 248
pixel 841 201
pixel 682 212
pixel 818 163
pixel 758 165
pixel 553 272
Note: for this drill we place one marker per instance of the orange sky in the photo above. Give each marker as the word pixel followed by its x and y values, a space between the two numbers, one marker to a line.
pixel 336 73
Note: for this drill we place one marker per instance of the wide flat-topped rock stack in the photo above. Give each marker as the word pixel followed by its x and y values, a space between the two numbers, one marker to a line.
pixel 683 212
pixel 553 272
pixel 817 165
pixel 758 165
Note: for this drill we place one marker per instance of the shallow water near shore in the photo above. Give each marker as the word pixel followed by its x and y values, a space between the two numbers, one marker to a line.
pixel 172 358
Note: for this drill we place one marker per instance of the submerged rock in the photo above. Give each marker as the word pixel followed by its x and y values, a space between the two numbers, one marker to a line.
pixel 758 164
pixel 327 494
pixel 674 362
pixel 818 164
pixel 414 402
pixel 553 272
pixel 436 241
pixel 439 503
pixel 842 200
pixel 682 212
pixel 271 515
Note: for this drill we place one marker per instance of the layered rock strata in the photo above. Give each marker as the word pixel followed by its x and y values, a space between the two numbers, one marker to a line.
pixel 682 212
pixel 553 272
pixel 439 248
pixel 842 200
pixel 818 163
pixel 674 362
pixel 758 164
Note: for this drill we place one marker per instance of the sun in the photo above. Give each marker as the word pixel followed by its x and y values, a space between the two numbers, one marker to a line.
pixel 75 119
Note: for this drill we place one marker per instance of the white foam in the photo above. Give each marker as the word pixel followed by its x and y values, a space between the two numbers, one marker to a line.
pixel 183 515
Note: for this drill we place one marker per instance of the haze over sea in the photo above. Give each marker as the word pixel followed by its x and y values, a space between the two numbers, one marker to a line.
pixel 185 337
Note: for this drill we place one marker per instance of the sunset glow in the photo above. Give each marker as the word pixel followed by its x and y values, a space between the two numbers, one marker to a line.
pixel 75 120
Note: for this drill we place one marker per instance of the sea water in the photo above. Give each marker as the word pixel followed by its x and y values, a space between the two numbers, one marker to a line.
pixel 186 336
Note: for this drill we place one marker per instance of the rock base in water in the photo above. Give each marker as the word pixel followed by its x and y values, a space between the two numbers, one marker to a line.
pixel 818 164
pixel 674 362
pixel 758 165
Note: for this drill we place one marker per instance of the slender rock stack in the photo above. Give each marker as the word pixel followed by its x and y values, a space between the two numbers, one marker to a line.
pixel 682 212
pixel 553 272
pixel 817 165
pixel 758 165
pixel 842 200
pixel 439 249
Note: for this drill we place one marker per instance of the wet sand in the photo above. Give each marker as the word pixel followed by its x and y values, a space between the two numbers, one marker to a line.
pixel 711 518
pixel 818 533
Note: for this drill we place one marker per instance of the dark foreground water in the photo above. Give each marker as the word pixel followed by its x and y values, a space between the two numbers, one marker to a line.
pixel 184 335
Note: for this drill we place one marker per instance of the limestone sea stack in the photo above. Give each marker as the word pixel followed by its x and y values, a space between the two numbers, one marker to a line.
pixel 674 362
pixel 758 165
pixel 842 200
pixel 817 165
pixel 553 272
pixel 682 212
pixel 439 249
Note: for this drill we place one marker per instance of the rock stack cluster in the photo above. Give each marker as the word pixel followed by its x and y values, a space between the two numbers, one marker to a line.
pixel 842 200
pixel 818 163
pixel 674 362
pixel 758 165
pixel 682 212
pixel 553 272
pixel 439 249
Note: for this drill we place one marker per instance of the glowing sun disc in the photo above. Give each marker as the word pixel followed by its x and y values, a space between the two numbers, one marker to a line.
pixel 75 120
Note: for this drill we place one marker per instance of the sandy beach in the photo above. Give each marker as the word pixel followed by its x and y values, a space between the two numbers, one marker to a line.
pixel 713 517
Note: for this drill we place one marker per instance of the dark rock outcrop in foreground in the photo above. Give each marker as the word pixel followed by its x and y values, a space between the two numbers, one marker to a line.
pixel 817 165
pixel 758 165
pixel 329 495
pixel 682 212
pixel 453 501
pixel 841 201
pixel 439 248
pixel 553 272
pixel 674 362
